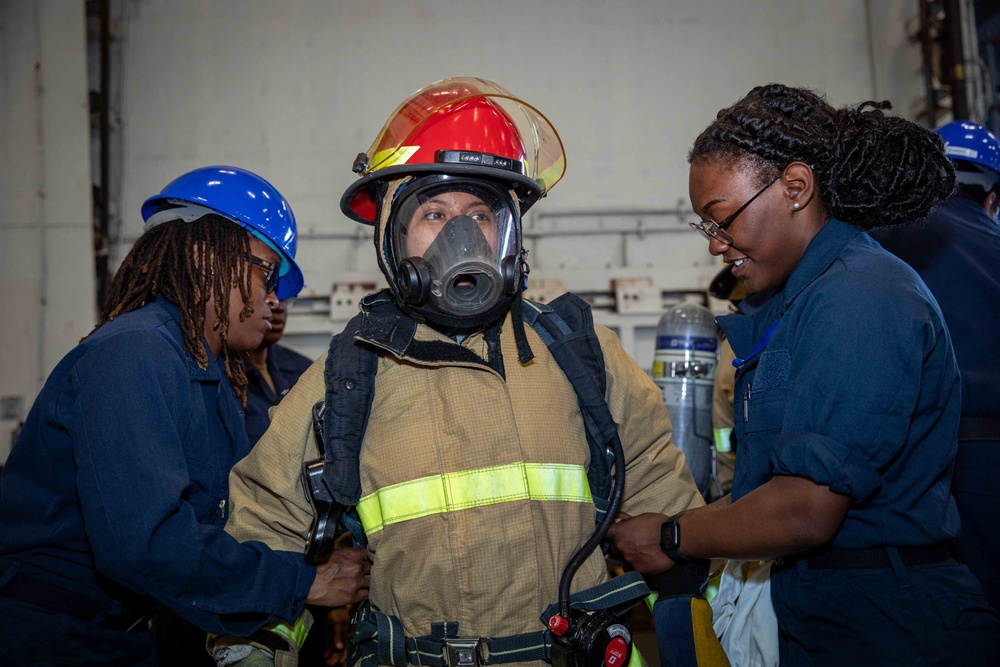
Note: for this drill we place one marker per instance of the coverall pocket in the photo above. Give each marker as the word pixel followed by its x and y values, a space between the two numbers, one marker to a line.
pixel 959 607
pixel 764 399
pixel 970 628
pixel 765 413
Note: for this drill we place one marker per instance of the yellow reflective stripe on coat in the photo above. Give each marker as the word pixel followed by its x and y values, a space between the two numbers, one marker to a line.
pixel 722 442
pixel 295 635
pixel 454 491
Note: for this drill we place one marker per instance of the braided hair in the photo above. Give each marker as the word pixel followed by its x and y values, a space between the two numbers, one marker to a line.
pixel 164 261
pixel 871 169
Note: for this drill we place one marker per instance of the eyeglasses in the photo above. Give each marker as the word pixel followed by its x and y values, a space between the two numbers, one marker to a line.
pixel 270 273
pixel 711 229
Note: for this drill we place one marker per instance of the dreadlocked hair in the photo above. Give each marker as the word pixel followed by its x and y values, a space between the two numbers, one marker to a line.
pixel 164 260
pixel 872 169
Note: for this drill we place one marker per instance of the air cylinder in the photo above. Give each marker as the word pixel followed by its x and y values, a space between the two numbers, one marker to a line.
pixel 687 344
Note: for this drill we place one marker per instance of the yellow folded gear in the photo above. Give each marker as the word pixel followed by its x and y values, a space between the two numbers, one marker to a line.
pixel 707 646
pixel 277 644
pixel 684 626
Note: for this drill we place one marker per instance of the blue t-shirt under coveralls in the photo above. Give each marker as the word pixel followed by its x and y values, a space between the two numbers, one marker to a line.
pixel 858 390
pixel 117 490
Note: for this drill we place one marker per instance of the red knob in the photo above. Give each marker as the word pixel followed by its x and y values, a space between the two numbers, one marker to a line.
pixel 558 625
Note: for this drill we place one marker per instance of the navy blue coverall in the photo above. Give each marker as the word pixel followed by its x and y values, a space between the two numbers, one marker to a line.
pixel 858 390
pixel 114 497
pixel 956 253
pixel 179 642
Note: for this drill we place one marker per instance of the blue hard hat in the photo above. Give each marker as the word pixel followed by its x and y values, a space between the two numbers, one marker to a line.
pixel 973 144
pixel 243 197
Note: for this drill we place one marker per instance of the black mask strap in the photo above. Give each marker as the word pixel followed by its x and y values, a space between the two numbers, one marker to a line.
pixel 524 353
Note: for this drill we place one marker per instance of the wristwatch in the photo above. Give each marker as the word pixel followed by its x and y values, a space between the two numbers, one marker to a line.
pixel 670 539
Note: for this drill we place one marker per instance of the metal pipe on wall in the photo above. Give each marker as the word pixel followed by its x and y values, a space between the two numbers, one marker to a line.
pixel 956 39
pixel 927 56
pixel 102 241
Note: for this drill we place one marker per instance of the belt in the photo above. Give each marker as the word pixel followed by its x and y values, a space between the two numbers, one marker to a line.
pixel 379 638
pixel 876 557
pixel 63 601
pixel 978 428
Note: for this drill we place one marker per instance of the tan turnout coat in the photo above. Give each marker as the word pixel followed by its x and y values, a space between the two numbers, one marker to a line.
pixel 494 568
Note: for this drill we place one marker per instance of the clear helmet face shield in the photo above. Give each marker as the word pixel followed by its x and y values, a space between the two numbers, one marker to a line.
pixel 455 246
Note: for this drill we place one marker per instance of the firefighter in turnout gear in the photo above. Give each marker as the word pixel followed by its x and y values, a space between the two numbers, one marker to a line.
pixel 449 436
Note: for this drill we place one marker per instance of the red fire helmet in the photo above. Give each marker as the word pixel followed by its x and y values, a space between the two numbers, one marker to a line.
pixel 461 126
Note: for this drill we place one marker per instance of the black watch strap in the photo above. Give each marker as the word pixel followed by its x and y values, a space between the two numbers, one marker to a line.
pixel 670 539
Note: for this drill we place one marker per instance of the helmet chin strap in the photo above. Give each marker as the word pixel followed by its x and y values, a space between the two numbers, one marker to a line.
pixel 524 353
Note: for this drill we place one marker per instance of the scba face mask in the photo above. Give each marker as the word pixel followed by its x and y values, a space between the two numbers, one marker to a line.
pixel 456 245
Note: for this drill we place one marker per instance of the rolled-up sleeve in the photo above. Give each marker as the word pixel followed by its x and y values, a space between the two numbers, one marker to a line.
pixel 825 461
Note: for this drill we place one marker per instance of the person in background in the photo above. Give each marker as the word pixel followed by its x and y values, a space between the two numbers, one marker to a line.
pixel 271 371
pixel 725 286
pixel 955 252
pixel 848 391
pixel 115 493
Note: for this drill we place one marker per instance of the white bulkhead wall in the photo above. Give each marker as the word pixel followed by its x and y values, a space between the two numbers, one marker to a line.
pixel 294 90
pixel 297 89
pixel 46 240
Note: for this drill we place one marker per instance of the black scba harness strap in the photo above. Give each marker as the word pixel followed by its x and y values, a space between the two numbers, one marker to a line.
pixel 333 482
pixel 565 325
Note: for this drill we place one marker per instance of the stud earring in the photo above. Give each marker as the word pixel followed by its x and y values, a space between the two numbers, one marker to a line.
pixel 796 205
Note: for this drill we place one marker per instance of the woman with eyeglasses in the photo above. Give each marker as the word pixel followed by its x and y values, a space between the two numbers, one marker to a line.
pixel 847 393
pixel 115 494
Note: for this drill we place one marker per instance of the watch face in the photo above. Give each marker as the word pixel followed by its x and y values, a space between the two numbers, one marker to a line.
pixel 670 536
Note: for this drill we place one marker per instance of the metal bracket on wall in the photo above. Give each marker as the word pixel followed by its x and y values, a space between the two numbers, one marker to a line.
pixel 344 299
pixel 637 295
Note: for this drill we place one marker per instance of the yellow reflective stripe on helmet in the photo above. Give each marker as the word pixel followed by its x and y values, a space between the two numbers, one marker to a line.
pixel 392 156
pixel 551 175
pixel 455 491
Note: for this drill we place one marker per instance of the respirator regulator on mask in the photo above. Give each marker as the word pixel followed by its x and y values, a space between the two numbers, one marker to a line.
pixel 456 247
